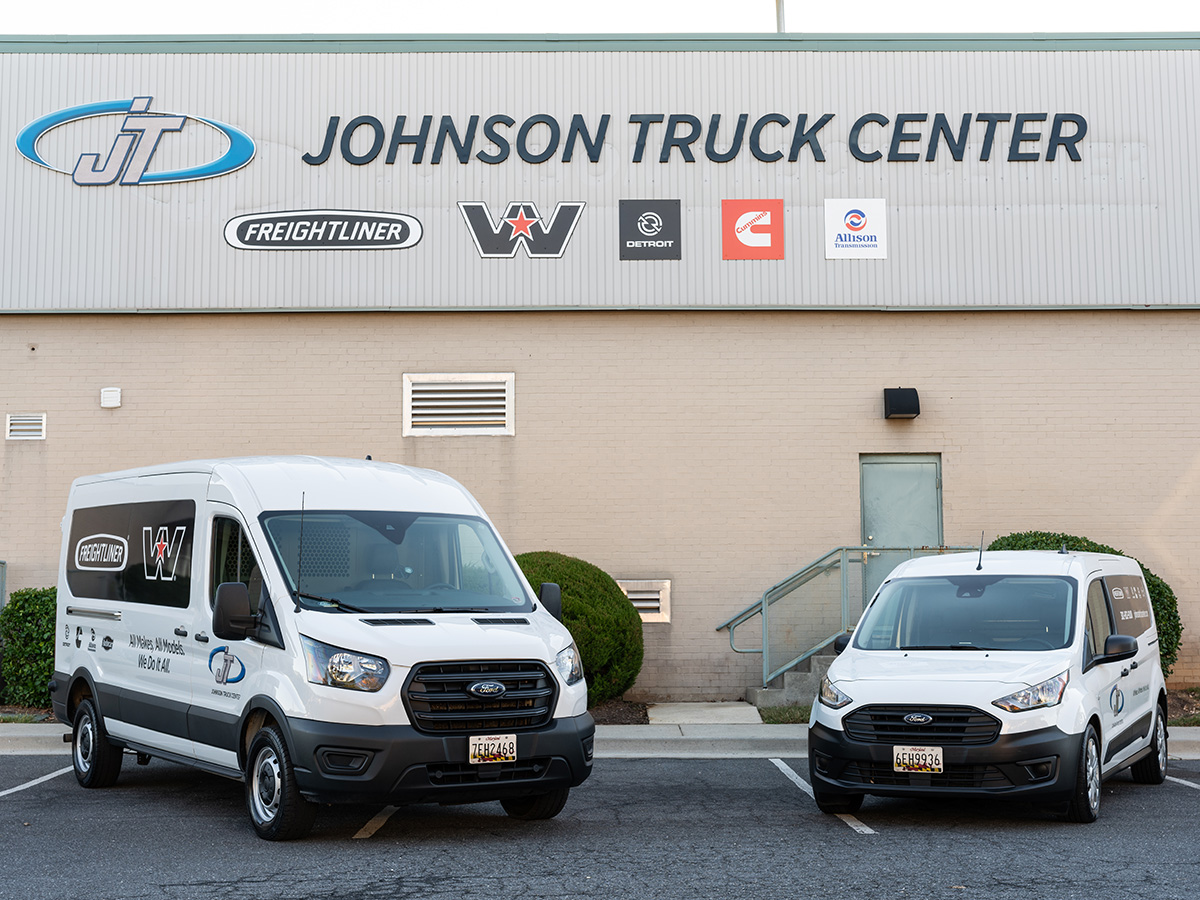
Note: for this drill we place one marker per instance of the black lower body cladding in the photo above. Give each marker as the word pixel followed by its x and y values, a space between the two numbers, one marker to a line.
pixel 1034 765
pixel 396 763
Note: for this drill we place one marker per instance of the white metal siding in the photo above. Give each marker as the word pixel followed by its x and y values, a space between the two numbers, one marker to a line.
pixel 1117 229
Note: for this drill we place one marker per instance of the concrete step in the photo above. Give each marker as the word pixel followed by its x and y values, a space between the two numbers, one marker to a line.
pixel 797 687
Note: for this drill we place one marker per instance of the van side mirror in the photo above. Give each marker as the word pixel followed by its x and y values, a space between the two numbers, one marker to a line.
pixel 551 596
pixel 841 642
pixel 1118 647
pixel 232 619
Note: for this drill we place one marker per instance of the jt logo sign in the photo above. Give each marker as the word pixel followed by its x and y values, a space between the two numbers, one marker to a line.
pixel 127 159
pixel 521 226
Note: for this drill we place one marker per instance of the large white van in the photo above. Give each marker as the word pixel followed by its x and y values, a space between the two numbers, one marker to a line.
pixel 1030 675
pixel 323 629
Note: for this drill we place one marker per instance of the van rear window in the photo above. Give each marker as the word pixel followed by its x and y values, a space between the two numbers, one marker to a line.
pixel 1130 604
pixel 133 552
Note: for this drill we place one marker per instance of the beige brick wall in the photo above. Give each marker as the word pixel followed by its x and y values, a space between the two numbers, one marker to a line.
pixel 717 449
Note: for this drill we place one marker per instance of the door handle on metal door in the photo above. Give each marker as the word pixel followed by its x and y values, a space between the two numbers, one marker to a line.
pixel 181 632
pixel 202 637
pixel 1133 665
pixel 1124 672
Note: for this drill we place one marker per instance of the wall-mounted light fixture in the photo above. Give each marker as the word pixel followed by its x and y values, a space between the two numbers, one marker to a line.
pixel 901 403
pixel 110 398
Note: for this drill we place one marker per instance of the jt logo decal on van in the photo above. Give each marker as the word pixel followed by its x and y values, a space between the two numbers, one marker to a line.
pixel 161 552
pixel 101 552
pixel 521 226
pixel 226 667
pixel 128 157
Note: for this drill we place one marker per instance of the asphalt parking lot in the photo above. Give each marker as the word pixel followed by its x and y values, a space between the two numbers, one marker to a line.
pixel 669 828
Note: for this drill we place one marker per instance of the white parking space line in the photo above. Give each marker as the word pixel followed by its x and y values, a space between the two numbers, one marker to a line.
pixel 795 779
pixel 376 823
pixel 35 781
pixel 1190 784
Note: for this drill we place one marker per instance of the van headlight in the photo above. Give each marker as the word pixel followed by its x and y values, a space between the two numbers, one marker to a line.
pixel 1048 693
pixel 831 696
pixel 569 665
pixel 340 668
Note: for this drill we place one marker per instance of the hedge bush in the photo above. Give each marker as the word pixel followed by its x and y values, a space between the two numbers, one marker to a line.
pixel 606 627
pixel 27 646
pixel 1162 598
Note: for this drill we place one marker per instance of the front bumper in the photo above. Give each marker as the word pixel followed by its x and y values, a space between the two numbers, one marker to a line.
pixel 1040 764
pixel 398 764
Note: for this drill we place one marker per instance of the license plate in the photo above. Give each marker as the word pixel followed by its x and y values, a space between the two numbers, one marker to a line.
pixel 917 759
pixel 493 748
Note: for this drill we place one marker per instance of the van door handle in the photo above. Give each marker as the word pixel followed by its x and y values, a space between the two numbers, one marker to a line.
pixel 1124 672
pixel 181 632
pixel 1133 665
pixel 202 637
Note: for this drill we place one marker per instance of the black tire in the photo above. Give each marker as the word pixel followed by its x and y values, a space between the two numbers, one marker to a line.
pixel 543 806
pixel 1153 769
pixel 833 804
pixel 1085 798
pixel 96 761
pixel 277 809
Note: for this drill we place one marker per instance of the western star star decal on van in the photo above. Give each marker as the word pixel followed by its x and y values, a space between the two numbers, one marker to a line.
pixel 162 546
pixel 127 159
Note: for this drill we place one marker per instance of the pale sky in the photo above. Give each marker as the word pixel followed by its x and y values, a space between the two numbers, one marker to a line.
pixel 401 17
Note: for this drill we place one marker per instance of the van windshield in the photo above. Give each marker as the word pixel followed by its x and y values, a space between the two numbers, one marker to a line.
pixel 970 612
pixel 367 561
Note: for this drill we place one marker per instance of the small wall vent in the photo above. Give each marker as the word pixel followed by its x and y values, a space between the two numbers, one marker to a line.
pixel 652 599
pixel 31 427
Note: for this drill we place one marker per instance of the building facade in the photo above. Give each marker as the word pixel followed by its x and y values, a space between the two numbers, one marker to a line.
pixel 641 296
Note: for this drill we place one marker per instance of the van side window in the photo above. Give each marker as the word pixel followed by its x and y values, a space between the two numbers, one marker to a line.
pixel 233 560
pixel 1098 626
pixel 1130 604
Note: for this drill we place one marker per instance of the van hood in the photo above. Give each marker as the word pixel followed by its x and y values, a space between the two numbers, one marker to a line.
pixel 403 641
pixel 998 667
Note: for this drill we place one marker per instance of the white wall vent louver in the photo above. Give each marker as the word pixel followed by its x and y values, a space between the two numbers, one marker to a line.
pixel 652 599
pixel 25 427
pixel 457 404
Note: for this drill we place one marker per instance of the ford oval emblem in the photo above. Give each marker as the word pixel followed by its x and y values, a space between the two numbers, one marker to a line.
pixel 487 689
pixel 918 719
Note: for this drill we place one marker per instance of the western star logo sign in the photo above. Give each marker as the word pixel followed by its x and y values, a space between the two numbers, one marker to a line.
pixel 650 229
pixel 752 229
pixel 521 226
pixel 162 546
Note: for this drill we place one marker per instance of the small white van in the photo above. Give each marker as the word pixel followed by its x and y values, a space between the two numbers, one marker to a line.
pixel 1029 675
pixel 323 629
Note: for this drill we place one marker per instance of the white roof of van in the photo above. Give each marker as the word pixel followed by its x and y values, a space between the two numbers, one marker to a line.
pixel 277 482
pixel 1016 562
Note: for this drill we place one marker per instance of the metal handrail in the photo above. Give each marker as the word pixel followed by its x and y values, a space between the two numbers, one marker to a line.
pixel 838 558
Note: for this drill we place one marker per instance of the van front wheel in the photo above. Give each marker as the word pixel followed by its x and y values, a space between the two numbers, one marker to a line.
pixel 1085 799
pixel 543 806
pixel 277 809
pixel 97 763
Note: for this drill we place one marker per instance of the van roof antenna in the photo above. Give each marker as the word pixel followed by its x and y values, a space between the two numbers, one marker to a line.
pixel 299 555
pixel 1064 548
pixel 979 568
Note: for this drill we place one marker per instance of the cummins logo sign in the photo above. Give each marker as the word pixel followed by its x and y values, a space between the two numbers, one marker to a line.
pixel 324 229
pixel 127 156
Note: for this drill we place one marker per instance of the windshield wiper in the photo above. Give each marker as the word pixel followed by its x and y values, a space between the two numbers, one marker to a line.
pixel 446 609
pixel 945 647
pixel 336 602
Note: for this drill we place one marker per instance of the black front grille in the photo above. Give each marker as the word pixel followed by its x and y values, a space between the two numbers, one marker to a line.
pixel 438 701
pixel 950 725
pixel 953 776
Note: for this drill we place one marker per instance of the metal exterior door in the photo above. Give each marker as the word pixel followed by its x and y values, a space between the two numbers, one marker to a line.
pixel 901 507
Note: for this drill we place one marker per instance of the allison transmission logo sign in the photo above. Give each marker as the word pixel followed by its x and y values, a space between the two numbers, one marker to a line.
pixel 115 141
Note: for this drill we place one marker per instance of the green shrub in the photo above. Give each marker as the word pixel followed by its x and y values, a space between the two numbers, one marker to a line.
pixel 606 627
pixel 1162 598
pixel 27 638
